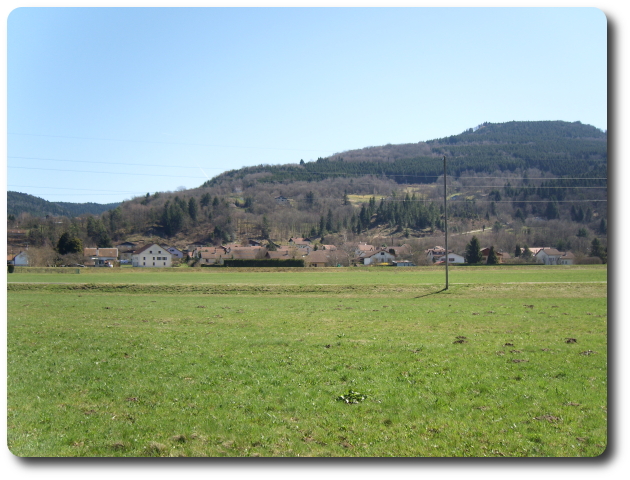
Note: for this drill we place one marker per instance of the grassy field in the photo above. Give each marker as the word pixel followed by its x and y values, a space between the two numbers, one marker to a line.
pixel 368 276
pixel 246 363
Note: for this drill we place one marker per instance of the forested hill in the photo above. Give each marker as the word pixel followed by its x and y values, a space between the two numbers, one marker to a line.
pixel 21 202
pixel 557 147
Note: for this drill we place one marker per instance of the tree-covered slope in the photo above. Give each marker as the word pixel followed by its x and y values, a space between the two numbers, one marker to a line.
pixel 559 148
pixel 21 202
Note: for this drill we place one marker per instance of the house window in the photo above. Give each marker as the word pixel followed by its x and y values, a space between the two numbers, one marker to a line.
pixel 164 263
pixel 154 264
pixel 144 258
pixel 144 263
pixel 159 251
pixel 150 251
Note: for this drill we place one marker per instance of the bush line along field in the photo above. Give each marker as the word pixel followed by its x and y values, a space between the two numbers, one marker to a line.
pixel 127 366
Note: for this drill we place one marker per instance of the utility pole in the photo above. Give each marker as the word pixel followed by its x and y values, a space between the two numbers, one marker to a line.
pixel 445 225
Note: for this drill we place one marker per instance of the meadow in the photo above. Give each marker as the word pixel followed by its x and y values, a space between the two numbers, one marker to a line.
pixel 339 362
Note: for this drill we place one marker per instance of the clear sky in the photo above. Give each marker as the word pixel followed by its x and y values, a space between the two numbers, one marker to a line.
pixel 109 103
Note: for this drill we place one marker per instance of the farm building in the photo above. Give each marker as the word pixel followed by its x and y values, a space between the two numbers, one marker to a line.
pixel 152 255
pixel 100 257
pixel 551 256
pixel 381 256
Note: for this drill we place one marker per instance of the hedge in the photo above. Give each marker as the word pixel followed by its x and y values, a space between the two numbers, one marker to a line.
pixel 272 262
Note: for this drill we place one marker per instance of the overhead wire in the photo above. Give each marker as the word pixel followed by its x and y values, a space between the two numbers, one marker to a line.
pixel 165 143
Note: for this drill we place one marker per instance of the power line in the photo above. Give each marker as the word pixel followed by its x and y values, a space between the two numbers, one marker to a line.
pixel 108 173
pixel 80 194
pixel 110 163
pixel 75 189
pixel 165 143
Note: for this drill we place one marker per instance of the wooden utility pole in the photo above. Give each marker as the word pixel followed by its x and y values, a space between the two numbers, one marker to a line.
pixel 445 226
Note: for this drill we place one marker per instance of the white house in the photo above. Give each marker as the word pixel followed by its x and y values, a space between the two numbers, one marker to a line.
pixel 434 253
pixel 452 258
pixel 551 256
pixel 175 252
pixel 381 256
pixel 567 258
pixel 152 255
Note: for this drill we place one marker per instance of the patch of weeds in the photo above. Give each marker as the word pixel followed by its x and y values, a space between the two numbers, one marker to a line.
pixel 549 418
pixel 352 397
pixel 118 446
pixel 155 449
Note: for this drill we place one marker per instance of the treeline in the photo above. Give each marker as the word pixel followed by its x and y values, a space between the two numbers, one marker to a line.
pixel 18 203
pixel 558 148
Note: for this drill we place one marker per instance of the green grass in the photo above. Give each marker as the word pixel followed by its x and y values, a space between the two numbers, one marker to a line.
pixel 368 276
pixel 256 370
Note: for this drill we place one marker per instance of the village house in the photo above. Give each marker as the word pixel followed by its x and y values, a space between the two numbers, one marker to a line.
pixel 245 253
pixel 363 249
pixel 303 244
pixel 279 254
pixel 100 257
pixel 210 255
pixel 316 259
pixel 501 256
pixel 174 252
pixel 452 258
pixel 401 251
pixel 151 256
pixel 197 251
pixel 19 260
pixel 378 257
pixel 436 252
pixel 551 256
pixel 281 200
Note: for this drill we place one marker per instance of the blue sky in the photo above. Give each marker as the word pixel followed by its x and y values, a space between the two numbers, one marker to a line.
pixel 106 104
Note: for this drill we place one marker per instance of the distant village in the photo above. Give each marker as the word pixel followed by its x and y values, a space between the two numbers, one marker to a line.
pixel 154 255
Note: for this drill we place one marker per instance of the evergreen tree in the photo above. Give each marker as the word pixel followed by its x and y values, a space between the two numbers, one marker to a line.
pixel 493 259
pixel 473 251
pixel 329 221
pixel 205 200
pixel 68 244
pixel 551 211
pixel 597 250
pixel 517 250
pixel 527 253
pixel 193 209
pixel 265 229
pixel 603 227
pixel 346 199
